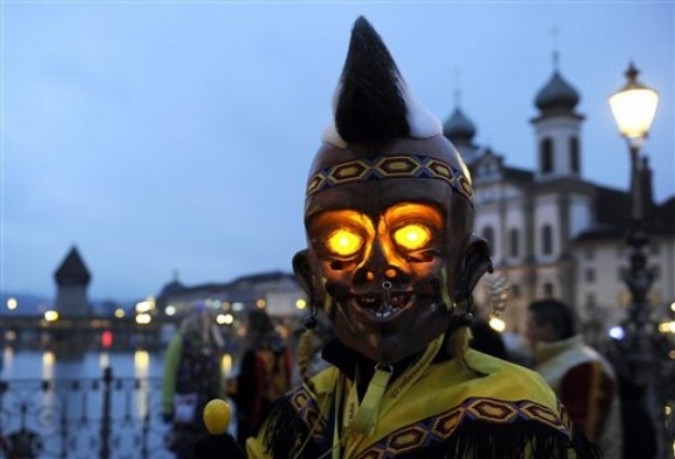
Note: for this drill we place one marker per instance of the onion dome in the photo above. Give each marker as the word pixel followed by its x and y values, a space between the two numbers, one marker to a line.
pixel 557 95
pixel 458 128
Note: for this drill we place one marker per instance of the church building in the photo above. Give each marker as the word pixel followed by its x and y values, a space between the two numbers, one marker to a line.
pixel 553 233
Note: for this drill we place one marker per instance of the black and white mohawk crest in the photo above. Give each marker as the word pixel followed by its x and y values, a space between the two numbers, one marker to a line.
pixel 372 102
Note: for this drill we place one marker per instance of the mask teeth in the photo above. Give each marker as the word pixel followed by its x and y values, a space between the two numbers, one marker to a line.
pixel 384 311
pixel 387 297
pixel 385 308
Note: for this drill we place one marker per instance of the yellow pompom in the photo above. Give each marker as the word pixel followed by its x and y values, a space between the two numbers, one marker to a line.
pixel 217 416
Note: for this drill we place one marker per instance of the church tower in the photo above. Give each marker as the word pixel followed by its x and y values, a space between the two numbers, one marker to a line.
pixel 460 130
pixel 560 201
pixel 72 278
pixel 557 129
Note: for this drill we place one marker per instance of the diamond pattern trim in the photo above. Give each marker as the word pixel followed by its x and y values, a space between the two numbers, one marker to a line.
pixel 439 428
pixel 306 407
pixel 380 168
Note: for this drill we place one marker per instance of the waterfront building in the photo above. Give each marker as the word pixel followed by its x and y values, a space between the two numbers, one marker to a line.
pixel 276 292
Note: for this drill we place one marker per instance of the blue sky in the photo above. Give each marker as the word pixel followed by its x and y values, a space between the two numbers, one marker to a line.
pixel 168 136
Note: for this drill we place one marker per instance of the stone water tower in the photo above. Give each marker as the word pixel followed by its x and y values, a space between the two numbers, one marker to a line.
pixel 72 279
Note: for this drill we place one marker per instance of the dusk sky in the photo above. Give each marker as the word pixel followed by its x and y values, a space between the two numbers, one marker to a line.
pixel 163 137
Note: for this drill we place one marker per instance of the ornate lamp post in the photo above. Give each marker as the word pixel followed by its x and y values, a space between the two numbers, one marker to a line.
pixel 638 353
pixel 633 108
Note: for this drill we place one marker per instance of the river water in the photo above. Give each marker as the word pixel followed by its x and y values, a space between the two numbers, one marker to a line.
pixel 58 399
pixel 47 365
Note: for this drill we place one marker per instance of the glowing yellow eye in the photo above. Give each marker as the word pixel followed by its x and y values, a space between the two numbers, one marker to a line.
pixel 344 242
pixel 412 237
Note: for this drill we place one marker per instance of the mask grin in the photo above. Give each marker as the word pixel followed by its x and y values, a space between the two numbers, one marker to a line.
pixel 385 305
pixel 381 308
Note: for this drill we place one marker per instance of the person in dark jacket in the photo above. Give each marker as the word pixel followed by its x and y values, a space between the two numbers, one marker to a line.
pixel 264 374
pixel 639 435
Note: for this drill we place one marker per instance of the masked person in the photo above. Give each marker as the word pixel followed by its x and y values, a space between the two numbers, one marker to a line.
pixel 264 375
pixel 391 261
pixel 191 378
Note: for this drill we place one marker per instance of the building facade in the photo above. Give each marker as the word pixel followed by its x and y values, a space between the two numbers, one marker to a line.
pixel 554 233
pixel 278 293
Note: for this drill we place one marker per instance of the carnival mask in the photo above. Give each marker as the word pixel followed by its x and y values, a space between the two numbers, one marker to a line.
pixel 388 215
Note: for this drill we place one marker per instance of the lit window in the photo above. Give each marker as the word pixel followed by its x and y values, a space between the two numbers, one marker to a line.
pixel 546 155
pixel 514 237
pixel 590 275
pixel 547 240
pixel 548 290
pixel 489 235
pixel 574 154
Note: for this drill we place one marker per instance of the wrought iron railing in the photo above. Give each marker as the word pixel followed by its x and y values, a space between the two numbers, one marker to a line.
pixel 103 417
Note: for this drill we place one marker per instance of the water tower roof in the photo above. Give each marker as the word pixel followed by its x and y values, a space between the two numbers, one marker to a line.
pixel 72 270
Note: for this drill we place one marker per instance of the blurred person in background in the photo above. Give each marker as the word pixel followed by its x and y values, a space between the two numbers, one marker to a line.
pixel 583 379
pixel 264 375
pixel 192 377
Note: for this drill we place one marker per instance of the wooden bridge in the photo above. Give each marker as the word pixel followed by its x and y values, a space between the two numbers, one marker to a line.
pixel 89 332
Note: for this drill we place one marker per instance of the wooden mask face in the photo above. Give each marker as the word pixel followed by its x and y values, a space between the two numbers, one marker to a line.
pixel 385 255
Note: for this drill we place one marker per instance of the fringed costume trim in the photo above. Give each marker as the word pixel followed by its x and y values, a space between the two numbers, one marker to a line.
pixel 479 428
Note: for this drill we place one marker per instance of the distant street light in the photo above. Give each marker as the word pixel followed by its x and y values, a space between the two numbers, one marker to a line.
pixel 638 351
pixel 51 316
pixel 300 303
pixel 12 303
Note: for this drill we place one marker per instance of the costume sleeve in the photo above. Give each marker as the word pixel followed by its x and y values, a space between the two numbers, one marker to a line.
pixel 587 392
pixel 171 361
pixel 255 449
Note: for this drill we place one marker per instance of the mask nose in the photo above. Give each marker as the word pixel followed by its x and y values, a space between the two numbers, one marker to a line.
pixel 379 269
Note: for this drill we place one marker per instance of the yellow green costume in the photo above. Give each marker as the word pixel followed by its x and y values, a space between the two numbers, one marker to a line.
pixel 476 407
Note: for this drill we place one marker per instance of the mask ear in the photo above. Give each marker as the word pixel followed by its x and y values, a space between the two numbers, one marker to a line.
pixel 476 262
pixel 303 272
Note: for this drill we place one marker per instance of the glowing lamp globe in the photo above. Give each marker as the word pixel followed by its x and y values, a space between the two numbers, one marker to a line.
pixel 634 106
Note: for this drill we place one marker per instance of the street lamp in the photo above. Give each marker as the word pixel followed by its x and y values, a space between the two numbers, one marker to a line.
pixel 638 352
pixel 633 108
